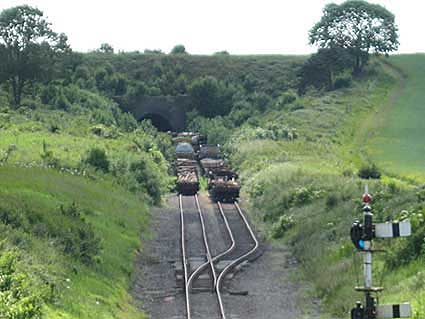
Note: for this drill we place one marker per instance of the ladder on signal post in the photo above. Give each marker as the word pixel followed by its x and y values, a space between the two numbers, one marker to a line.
pixel 362 236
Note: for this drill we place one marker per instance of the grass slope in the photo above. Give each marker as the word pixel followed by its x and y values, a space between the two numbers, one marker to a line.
pixel 397 144
pixel 118 217
pixel 42 175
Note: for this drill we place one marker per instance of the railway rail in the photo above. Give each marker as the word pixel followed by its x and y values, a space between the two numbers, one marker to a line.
pixel 235 253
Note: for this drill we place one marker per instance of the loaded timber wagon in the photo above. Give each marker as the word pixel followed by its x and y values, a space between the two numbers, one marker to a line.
pixel 210 165
pixel 209 151
pixel 223 185
pixel 187 180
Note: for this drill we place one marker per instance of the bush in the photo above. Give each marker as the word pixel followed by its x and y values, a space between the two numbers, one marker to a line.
pixel 343 82
pixel 48 158
pixel 79 238
pixel 331 200
pixel 211 97
pixel 285 99
pixel 407 250
pixel 369 171
pixel 97 158
pixel 146 177
pixel 284 223
pixel 18 296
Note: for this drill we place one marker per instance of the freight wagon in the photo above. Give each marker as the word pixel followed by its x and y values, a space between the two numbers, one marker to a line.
pixel 185 150
pixel 223 185
pixel 187 180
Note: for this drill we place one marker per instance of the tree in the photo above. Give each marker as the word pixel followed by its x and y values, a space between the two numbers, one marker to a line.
pixel 358 26
pixel 211 97
pixel 106 48
pixel 321 69
pixel 28 47
pixel 97 158
pixel 179 49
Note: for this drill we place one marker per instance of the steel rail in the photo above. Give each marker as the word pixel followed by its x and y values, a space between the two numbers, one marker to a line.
pixel 184 259
pixel 207 250
pixel 237 261
pixel 217 258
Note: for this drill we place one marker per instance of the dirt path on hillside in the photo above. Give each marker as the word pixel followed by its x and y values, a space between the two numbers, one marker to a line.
pixel 270 292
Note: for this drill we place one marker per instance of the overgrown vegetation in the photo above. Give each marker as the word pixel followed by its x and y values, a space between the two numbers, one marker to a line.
pixel 306 189
pixel 77 176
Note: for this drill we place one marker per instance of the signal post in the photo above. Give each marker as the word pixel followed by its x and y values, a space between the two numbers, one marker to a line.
pixel 362 236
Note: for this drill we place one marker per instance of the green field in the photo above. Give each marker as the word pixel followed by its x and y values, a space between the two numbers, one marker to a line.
pixel 397 143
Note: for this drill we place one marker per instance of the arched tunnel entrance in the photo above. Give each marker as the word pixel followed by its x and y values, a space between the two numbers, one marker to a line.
pixel 160 122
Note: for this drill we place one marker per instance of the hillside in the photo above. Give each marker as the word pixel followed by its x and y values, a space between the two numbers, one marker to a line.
pixel 306 192
pixel 397 141
pixel 75 192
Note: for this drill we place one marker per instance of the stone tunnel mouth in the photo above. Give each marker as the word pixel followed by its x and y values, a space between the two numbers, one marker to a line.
pixel 159 121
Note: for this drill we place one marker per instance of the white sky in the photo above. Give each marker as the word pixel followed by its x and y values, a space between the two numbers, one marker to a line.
pixel 207 26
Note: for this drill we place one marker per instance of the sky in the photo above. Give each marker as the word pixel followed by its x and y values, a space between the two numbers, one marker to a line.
pixel 207 26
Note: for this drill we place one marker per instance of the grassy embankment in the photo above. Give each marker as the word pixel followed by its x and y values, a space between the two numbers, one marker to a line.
pixel 117 216
pixel 307 191
pixel 75 231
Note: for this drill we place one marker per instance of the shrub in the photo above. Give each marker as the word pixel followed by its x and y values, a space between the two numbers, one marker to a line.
pixel 285 99
pixel 78 238
pixel 146 177
pixel 347 173
pixel 284 223
pixel 62 102
pixel 48 158
pixel 369 171
pixel 344 81
pixel 331 200
pixel 421 195
pixel 80 241
pixel 97 158
pixel 303 195
pixel 18 296
pixel 211 97
pixel 407 250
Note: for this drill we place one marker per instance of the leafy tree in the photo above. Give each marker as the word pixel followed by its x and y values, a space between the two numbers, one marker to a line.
pixel 179 49
pixel 211 97
pixel 359 26
pixel 321 69
pixel 27 47
pixel 97 158
pixel 106 48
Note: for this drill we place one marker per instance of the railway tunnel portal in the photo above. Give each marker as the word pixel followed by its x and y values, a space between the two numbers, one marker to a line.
pixel 167 113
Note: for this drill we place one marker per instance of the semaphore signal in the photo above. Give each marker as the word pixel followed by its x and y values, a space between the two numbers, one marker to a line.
pixel 362 235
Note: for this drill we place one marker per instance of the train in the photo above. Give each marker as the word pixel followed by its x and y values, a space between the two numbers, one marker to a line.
pixel 194 157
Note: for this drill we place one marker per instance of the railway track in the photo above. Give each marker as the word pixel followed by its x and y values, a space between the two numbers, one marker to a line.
pixel 241 244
